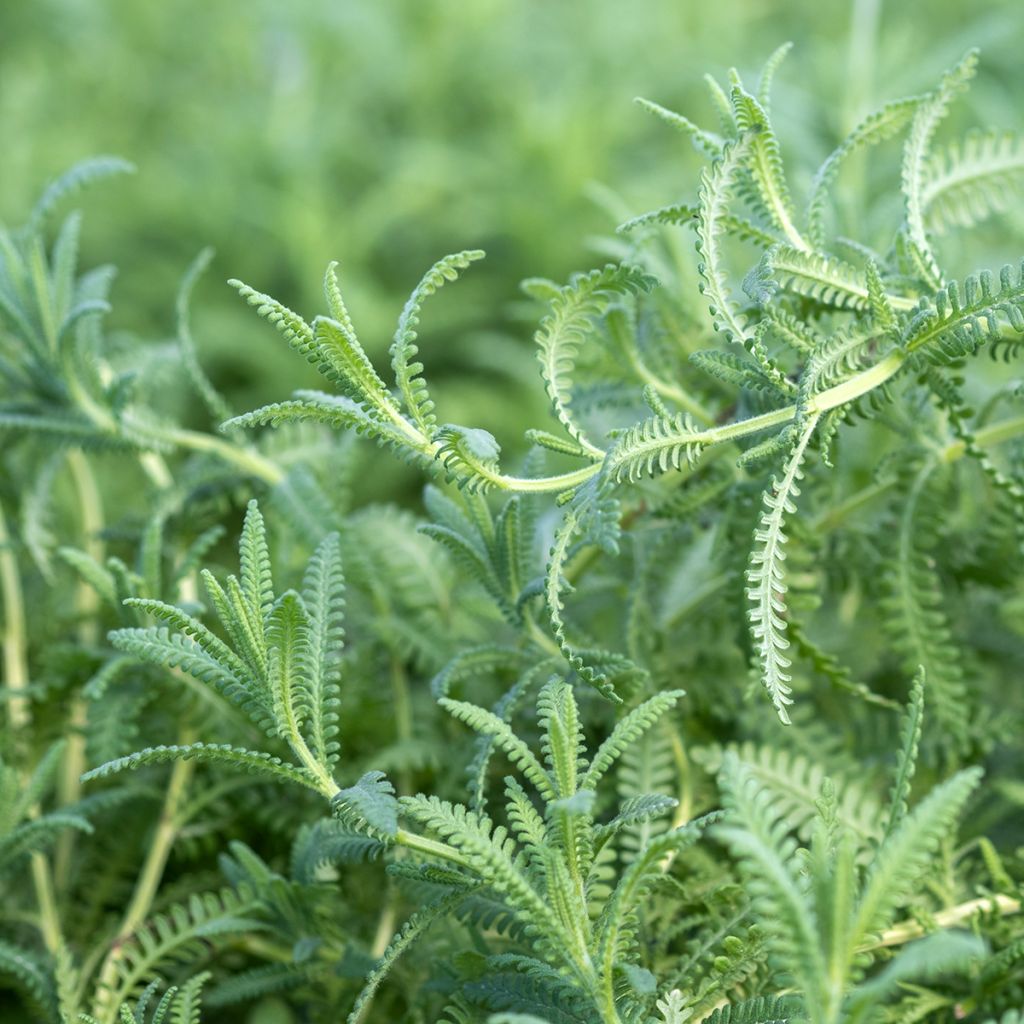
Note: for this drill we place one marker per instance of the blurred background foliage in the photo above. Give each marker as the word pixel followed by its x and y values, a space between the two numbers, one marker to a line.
pixel 384 134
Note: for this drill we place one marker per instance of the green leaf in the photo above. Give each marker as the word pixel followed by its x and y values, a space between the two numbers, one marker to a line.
pixel 564 329
pixel 910 739
pixel 486 723
pixel 257 580
pixel 371 804
pixel 908 852
pixel 877 127
pixel 764 161
pixel 252 761
pixel 766 576
pixel 323 594
pixel 716 187
pixel 655 445
pixel 927 117
pixel 82 174
pixel 956 321
pixel 758 837
pixel 411 385
pixel 968 181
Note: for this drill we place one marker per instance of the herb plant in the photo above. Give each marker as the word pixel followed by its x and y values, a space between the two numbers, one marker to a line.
pixel 705 711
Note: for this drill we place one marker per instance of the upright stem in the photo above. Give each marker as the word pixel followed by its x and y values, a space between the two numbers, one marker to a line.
pixel 19 712
pixel 148 881
pixel 155 467
pixel 19 716
pixel 49 915
pixel 402 707
pixel 87 608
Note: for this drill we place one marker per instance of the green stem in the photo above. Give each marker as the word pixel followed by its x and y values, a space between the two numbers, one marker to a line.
pixel 402 706
pixel 16 677
pixel 667 390
pixel 154 466
pixel 385 931
pixel 148 882
pixel 832 398
pixel 245 458
pixel 268 471
pixel 87 610
pixel 539 637
pixel 431 848
pixel 325 782
pixel 540 485
pixel 49 916
pixel 996 433
pixel 19 717
pixel 606 1003
pixel 838 514
pixel 948 918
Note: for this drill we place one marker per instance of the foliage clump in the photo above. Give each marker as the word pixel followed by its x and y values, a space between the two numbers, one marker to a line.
pixel 501 761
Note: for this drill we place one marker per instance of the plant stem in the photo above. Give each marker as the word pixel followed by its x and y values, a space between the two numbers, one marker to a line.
pixel 19 712
pixel 87 610
pixel 271 473
pixel 19 717
pixel 909 930
pixel 539 637
pixel 148 882
pixel 154 466
pixel 49 915
pixel 832 398
pixel 996 433
pixel 668 390
pixel 431 848
pixel 606 1004
pixel 402 707
pixel 251 461
pixel 385 930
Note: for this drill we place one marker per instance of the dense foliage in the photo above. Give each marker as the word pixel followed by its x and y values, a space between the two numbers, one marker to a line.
pixel 706 711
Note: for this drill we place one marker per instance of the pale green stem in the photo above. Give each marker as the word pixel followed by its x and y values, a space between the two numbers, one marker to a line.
pixel 996 433
pixel 325 783
pixel 147 884
pixel 705 591
pixel 49 915
pixel 539 637
pixel 154 466
pixel 860 63
pixel 668 390
pixel 385 930
pixel 402 707
pixel 948 918
pixel 87 609
pixel 19 716
pixel 251 461
pixel 16 676
pixel 606 1004
pixel 270 472
pixel 684 809
pixel 431 848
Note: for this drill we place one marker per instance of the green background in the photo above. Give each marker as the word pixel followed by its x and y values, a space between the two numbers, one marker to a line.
pixel 387 134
